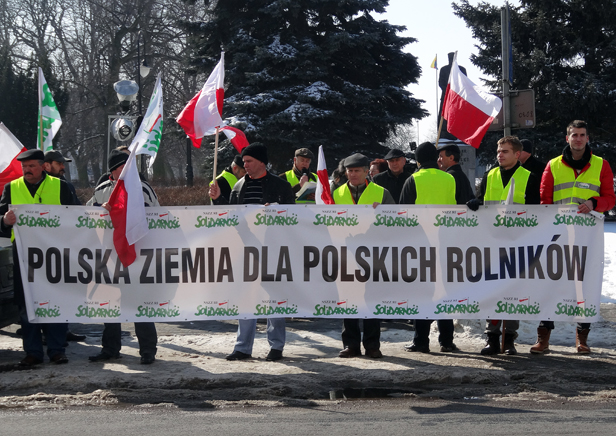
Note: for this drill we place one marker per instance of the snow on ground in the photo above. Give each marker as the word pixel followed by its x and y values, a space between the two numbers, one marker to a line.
pixel 608 293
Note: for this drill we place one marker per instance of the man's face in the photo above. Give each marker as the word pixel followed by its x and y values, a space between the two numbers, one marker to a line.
pixel 301 162
pixel 506 157
pixel 396 164
pixel 54 168
pixel 115 174
pixel 238 171
pixel 254 167
pixel 577 139
pixel 33 170
pixel 445 161
pixel 357 175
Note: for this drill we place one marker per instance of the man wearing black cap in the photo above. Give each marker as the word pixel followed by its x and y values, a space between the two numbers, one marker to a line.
pixel 258 186
pixel 359 190
pixel 112 333
pixel 227 179
pixel 393 179
pixel 54 166
pixel 34 187
pixel 116 162
pixel 300 173
pixel 449 161
pixel 493 190
pixel 430 185
pixel 530 162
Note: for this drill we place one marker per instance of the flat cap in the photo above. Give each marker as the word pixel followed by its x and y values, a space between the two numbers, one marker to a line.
pixel 34 154
pixel 55 156
pixel 394 154
pixel 356 160
pixel 304 152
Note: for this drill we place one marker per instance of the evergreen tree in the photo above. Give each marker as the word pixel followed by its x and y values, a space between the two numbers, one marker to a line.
pixel 563 49
pixel 304 73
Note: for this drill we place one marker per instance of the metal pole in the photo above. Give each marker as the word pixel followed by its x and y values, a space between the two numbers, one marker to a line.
pixel 189 168
pixel 141 157
pixel 505 57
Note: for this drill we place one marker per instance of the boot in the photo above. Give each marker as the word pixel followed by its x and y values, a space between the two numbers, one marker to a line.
pixel 492 346
pixel 509 344
pixel 581 336
pixel 543 341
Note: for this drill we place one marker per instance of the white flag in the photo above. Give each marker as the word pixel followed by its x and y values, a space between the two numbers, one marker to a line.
pixel 49 120
pixel 147 139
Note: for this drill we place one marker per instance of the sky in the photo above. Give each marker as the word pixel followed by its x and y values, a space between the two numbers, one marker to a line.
pixel 438 31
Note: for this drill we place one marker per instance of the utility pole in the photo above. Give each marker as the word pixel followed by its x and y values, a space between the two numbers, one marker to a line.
pixel 506 44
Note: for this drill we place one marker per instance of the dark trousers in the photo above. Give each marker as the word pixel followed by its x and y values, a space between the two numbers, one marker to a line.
pixel 422 332
pixel 32 337
pixel 146 335
pixel 351 334
pixel 550 325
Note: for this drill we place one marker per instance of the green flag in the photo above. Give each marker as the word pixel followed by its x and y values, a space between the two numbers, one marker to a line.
pixel 49 120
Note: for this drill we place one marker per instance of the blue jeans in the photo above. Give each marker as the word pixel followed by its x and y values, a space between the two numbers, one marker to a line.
pixel 247 328
pixel 33 337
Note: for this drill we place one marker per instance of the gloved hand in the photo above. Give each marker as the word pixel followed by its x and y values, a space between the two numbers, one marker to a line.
pixel 473 204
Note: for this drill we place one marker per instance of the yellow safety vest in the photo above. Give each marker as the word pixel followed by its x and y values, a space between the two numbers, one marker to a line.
pixel 48 192
pixel 229 177
pixel 434 186
pixel 496 194
pixel 571 190
pixel 293 180
pixel 373 193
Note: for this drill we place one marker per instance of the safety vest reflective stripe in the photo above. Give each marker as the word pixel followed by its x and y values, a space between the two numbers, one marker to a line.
pixel 373 193
pixel 496 194
pixel 571 190
pixel 48 192
pixel 434 186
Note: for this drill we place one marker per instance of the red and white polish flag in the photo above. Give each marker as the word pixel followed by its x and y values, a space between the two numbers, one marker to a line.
pixel 203 113
pixel 469 111
pixel 323 194
pixel 10 148
pixel 236 136
pixel 128 212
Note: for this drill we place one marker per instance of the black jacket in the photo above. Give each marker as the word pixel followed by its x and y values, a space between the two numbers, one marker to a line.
pixel 392 183
pixel 464 190
pixel 275 190
pixel 535 166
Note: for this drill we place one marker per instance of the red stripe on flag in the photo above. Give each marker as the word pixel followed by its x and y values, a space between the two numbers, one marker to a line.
pixel 466 122
pixel 12 171
pixel 220 99
pixel 119 200
pixel 326 195
pixel 186 120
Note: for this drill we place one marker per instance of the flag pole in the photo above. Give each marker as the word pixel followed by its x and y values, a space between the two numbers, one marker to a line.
pixel 440 128
pixel 215 154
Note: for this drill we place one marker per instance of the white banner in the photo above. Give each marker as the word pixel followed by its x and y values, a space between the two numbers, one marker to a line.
pixel 206 262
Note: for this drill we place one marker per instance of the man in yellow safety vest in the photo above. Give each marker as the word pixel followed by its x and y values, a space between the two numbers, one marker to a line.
pixel 576 177
pixel 359 190
pixel 494 189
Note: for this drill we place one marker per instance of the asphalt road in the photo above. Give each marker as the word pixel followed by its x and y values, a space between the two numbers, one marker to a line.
pixel 392 417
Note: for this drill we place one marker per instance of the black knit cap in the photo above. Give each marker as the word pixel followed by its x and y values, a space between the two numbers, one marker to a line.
pixel 34 154
pixel 527 146
pixel 426 152
pixel 116 158
pixel 258 151
pixel 237 160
